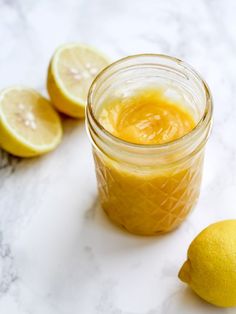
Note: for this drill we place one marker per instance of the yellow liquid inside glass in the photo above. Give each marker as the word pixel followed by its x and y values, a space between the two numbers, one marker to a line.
pixel 157 200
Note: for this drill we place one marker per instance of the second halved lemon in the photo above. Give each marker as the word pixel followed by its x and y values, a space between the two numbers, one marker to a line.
pixel 71 72
pixel 29 125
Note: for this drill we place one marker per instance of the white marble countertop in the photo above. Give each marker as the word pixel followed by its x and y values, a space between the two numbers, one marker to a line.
pixel 58 252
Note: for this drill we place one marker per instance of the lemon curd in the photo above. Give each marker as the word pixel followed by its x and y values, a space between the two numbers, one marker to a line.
pixel 148 142
pixel 147 117
pixel 153 202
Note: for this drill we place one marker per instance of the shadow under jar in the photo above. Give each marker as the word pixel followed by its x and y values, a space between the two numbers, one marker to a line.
pixel 149 189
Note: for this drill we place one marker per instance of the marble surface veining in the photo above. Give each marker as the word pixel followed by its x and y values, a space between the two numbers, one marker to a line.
pixel 58 252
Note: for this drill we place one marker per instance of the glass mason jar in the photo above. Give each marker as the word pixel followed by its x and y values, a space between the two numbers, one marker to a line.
pixel 149 189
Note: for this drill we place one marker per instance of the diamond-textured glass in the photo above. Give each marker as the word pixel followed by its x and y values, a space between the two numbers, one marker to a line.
pixel 149 189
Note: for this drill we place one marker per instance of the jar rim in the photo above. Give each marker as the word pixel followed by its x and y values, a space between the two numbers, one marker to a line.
pixel 205 119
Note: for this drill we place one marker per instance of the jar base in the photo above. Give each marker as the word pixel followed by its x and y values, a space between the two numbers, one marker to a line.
pixel 158 232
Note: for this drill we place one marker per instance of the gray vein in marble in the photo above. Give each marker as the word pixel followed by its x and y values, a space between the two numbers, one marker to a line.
pixel 8 161
pixel 8 165
pixel 8 274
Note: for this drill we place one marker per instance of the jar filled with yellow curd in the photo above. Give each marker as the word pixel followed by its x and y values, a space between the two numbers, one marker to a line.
pixel 149 118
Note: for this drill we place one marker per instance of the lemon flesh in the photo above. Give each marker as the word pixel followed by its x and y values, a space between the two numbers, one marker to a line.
pixel 29 125
pixel 71 71
pixel 210 269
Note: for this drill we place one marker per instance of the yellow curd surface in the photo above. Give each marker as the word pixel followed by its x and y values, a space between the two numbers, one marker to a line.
pixel 157 200
pixel 148 117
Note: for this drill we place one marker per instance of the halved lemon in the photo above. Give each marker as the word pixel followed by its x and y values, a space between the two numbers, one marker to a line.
pixel 29 125
pixel 71 71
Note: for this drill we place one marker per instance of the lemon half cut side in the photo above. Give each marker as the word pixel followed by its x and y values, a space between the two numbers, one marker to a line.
pixel 29 125
pixel 72 69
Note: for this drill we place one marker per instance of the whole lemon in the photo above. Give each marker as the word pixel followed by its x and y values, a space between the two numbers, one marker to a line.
pixel 210 269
